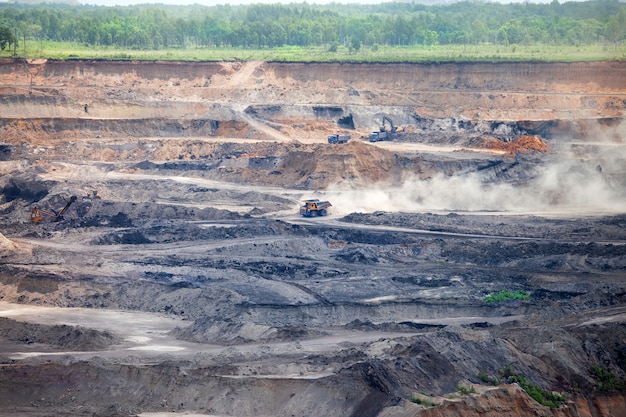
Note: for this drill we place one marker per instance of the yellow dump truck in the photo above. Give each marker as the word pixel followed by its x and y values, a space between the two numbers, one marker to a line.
pixel 313 208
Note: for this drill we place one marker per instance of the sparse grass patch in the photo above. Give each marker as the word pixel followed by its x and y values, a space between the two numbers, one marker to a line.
pixel 331 53
pixel 488 379
pixel 423 401
pixel 465 390
pixel 505 295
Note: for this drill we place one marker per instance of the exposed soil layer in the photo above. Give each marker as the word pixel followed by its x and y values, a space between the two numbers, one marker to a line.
pixel 486 239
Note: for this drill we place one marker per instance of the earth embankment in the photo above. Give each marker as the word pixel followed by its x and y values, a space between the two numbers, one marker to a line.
pixel 285 92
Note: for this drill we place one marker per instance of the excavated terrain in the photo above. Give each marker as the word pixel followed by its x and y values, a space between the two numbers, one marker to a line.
pixel 153 259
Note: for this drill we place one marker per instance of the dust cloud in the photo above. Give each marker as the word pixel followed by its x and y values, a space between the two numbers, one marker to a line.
pixel 575 177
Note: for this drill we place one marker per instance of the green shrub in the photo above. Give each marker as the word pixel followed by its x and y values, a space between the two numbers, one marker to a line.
pixel 487 379
pixel 505 295
pixel 423 401
pixel 607 381
pixel 464 390
pixel 543 397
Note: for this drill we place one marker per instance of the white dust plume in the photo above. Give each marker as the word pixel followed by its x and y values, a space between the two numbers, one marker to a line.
pixel 576 177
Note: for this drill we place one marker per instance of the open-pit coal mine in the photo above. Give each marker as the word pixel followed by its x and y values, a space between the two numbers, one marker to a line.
pixel 154 259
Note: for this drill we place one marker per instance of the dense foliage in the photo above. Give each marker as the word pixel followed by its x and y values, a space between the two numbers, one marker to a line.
pixel 272 25
pixel 6 37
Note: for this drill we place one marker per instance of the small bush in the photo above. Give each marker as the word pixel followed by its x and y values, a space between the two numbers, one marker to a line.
pixel 487 379
pixel 465 391
pixel 423 401
pixel 505 295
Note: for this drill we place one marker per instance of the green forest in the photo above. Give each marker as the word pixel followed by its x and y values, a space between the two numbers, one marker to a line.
pixel 331 26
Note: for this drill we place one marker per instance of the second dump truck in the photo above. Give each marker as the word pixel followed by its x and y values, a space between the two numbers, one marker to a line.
pixel 313 208
pixel 385 133
pixel 338 138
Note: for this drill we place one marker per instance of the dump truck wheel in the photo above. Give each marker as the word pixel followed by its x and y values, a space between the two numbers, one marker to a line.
pixel 323 212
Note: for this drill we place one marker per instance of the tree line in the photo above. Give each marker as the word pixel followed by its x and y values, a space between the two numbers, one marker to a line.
pixel 156 26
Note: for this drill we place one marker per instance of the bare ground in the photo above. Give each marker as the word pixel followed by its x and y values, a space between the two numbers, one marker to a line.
pixel 189 282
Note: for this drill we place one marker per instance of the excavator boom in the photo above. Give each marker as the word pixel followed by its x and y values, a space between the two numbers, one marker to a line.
pixel 38 214
pixel 59 215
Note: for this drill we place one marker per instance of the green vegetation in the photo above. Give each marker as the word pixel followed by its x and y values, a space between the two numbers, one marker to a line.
pixel 387 32
pixel 438 53
pixel 607 380
pixel 487 379
pixel 7 38
pixel 423 401
pixel 465 390
pixel 543 397
pixel 505 295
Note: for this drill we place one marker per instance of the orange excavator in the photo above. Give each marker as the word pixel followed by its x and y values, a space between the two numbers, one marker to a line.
pixel 38 215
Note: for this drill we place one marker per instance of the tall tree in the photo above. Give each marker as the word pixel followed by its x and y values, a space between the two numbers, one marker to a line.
pixel 7 38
